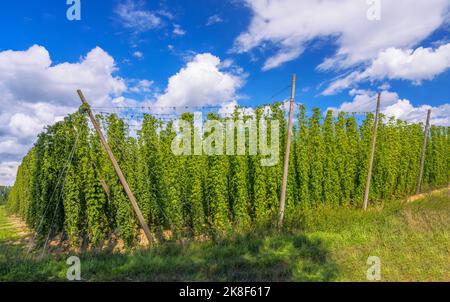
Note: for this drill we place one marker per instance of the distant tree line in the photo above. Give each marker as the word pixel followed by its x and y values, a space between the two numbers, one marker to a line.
pixel 4 191
pixel 66 184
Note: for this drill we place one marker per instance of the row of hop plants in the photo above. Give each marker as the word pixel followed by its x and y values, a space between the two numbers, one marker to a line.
pixel 67 186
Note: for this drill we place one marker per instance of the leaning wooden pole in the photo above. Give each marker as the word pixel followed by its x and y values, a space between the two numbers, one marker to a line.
pixel 424 150
pixel 116 166
pixel 287 154
pixel 372 153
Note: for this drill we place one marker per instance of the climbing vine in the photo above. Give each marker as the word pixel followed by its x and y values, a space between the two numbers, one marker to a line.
pixel 67 187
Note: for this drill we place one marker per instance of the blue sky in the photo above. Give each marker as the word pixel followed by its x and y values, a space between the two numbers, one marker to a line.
pixel 218 52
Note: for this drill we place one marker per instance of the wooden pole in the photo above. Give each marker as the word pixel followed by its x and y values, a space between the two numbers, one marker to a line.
pixel 287 154
pixel 424 149
pixel 116 166
pixel 372 153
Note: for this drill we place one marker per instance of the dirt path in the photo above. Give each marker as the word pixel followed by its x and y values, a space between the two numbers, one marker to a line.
pixel 427 194
pixel 13 230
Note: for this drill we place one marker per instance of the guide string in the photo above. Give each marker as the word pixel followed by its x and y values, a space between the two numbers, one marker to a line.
pixel 53 194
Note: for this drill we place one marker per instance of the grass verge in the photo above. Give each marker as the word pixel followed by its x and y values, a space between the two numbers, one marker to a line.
pixel 412 241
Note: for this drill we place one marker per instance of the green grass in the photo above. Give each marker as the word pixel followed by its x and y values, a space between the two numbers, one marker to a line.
pixel 412 241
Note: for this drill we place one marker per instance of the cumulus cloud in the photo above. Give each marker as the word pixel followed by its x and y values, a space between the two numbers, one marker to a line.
pixel 34 118
pixel 229 108
pixel 203 81
pixel 393 106
pixel 404 110
pixel 414 65
pixel 8 171
pixel 10 146
pixel 397 64
pixel 29 77
pixel 289 25
pixel 36 93
pixel 142 86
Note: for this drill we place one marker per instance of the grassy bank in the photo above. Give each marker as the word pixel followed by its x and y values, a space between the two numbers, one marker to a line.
pixel 412 240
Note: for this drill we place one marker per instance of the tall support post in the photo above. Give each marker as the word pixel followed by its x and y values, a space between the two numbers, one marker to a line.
pixel 116 166
pixel 372 153
pixel 287 154
pixel 424 149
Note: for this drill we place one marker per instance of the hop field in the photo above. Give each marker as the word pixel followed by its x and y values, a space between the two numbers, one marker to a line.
pixel 66 187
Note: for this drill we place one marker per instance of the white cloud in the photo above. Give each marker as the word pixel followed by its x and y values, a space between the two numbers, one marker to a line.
pixel 138 55
pixel 396 64
pixel 203 81
pixel 393 106
pixel 282 57
pixel 28 77
pixel 23 125
pixel 404 110
pixel 178 31
pixel 35 93
pixel 142 86
pixel 414 65
pixel 166 13
pixel 228 109
pixel 214 19
pixel 8 171
pixel 289 25
pixel 341 83
pixel 134 16
pixel 365 101
pixel 10 146
pixel 30 119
